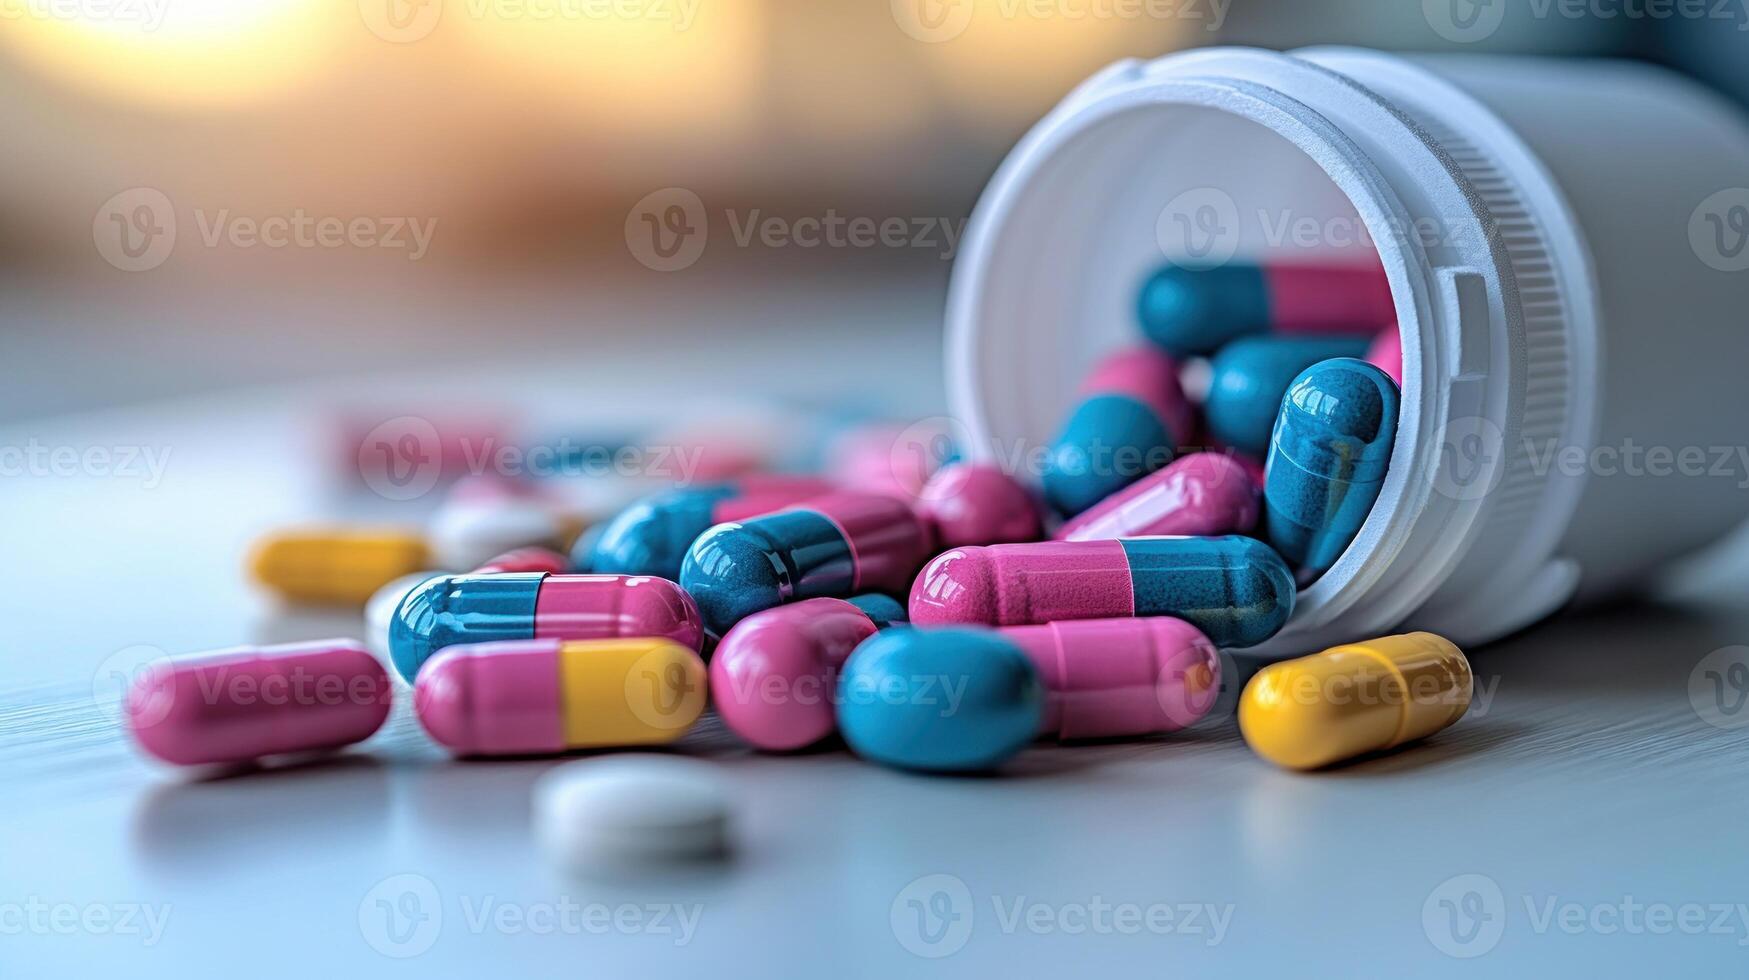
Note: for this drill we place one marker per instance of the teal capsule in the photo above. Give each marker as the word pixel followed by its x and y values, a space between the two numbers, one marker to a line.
pixel 951 700
pixel 1327 460
pixel 1249 377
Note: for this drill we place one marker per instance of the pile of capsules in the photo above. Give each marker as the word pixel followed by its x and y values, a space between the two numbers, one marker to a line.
pixel 1096 612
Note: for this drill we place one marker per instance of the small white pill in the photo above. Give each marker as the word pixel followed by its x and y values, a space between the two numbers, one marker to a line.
pixel 465 534
pixel 621 813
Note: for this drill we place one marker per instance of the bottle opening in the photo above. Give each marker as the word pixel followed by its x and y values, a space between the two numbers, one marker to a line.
pixel 1091 217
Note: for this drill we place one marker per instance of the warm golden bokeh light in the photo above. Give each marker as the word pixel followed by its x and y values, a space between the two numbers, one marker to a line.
pixel 175 52
pixel 669 67
pixel 1022 56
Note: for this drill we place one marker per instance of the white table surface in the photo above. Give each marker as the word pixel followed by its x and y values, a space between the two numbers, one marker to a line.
pixel 1585 777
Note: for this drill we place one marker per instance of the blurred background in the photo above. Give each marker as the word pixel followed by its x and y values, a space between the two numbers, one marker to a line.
pixel 213 194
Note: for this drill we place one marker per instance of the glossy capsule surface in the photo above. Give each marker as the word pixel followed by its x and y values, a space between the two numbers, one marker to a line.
pixel 1131 415
pixel 534 697
pixel 335 566
pixel 774 676
pixel 451 610
pixel 651 536
pixel 1356 699
pixel 1235 590
pixel 978 503
pixel 1203 494
pixel 1327 460
pixel 834 546
pixel 1196 311
pixel 951 700
pixel 236 705
pixel 1250 376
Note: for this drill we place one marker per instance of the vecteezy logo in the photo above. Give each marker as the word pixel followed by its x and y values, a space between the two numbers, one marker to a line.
pixel 1199 229
pixel 1464 21
pixel 1470 458
pixel 401 21
pixel 402 458
pixel 667 230
pixel 1464 916
pixel 1718 231
pixel 1718 687
pixel 932 916
pixel 134 669
pixel 923 447
pixel 401 916
pixel 933 21
pixel 662 693
pixel 135 231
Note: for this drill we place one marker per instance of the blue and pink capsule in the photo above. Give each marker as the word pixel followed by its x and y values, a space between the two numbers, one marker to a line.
pixel 836 546
pixel 1188 311
pixel 452 610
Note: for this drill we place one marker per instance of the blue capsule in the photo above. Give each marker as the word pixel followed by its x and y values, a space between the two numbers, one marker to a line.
pixel 1249 377
pixel 651 536
pixel 949 700
pixel 1327 460
pixel 1195 311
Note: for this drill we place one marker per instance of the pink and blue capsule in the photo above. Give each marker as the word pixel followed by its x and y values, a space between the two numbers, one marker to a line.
pixel 835 546
pixel 1327 461
pixel 1190 311
pixel 1236 590
pixel 1131 416
pixel 451 610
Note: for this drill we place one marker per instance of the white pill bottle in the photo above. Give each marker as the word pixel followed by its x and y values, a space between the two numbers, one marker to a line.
pixel 1568 248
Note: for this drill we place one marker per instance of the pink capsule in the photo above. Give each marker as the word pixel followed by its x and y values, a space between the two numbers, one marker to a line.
pixel 1386 354
pixel 774 676
pixel 236 705
pixel 975 504
pixel 534 559
pixel 1115 678
pixel 1201 495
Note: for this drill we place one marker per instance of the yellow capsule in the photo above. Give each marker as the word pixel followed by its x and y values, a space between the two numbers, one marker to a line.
pixel 638 691
pixel 336 566
pixel 1354 699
